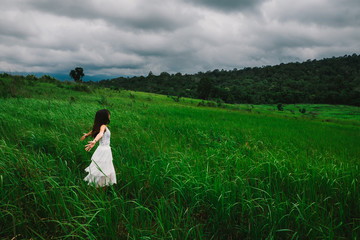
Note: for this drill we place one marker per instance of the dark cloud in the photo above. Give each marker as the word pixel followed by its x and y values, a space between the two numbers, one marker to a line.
pixel 11 25
pixel 330 13
pixel 228 5
pixel 157 16
pixel 12 31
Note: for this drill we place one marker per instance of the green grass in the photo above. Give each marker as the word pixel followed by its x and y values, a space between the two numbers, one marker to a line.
pixel 184 172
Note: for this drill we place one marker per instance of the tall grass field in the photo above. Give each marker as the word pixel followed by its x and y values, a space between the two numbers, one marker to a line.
pixel 185 170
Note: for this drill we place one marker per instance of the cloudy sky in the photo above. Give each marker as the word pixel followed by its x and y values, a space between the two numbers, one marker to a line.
pixel 133 37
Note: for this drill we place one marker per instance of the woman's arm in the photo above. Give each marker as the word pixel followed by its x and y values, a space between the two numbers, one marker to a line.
pixel 97 138
pixel 85 135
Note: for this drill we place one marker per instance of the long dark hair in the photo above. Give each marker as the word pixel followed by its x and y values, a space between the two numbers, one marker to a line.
pixel 101 118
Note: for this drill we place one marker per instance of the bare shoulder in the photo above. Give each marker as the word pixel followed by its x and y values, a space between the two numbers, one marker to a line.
pixel 103 128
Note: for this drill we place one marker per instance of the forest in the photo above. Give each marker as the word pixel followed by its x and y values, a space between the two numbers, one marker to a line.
pixel 333 80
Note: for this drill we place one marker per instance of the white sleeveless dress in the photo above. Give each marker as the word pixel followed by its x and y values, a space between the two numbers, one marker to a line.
pixel 101 170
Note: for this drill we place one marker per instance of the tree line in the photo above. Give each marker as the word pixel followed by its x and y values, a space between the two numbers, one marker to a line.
pixel 333 80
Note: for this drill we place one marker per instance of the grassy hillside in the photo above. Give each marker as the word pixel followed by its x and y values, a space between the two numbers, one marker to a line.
pixel 333 80
pixel 184 171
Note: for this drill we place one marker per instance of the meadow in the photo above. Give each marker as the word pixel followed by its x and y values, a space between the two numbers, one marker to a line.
pixel 184 171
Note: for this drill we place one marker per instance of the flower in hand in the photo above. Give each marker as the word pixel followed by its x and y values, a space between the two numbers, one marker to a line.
pixel 90 145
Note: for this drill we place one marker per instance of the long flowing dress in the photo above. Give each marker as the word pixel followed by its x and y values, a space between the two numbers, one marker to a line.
pixel 101 169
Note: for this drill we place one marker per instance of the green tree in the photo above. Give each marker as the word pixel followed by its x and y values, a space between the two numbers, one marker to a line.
pixel 77 74
pixel 204 88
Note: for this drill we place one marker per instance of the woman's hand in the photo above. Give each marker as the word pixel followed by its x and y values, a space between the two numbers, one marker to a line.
pixel 83 137
pixel 90 145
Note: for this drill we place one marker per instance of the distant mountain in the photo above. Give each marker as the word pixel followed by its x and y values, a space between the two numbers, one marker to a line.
pixel 333 80
pixel 62 76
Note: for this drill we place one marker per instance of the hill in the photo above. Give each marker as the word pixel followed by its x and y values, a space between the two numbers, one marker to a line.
pixel 328 81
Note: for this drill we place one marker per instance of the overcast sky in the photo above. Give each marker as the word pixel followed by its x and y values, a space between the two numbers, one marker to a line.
pixel 133 37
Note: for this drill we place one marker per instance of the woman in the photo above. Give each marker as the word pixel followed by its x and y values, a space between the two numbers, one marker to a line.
pixel 101 169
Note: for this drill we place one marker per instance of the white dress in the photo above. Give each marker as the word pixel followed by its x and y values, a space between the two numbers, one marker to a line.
pixel 101 170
